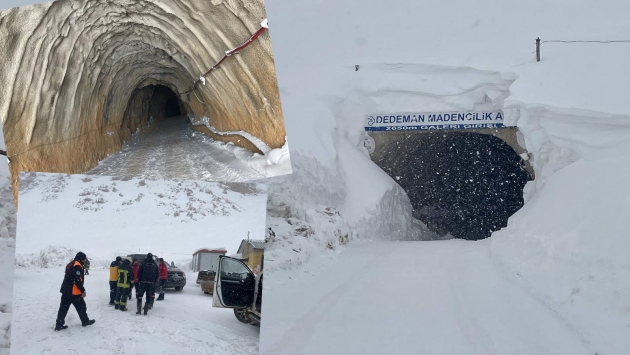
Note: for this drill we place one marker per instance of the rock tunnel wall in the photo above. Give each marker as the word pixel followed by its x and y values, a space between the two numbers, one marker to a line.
pixel 82 73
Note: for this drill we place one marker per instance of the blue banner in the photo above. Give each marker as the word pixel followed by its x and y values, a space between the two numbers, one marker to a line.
pixel 434 121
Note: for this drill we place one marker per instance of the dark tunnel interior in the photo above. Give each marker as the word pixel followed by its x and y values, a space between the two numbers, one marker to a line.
pixel 466 184
pixel 166 101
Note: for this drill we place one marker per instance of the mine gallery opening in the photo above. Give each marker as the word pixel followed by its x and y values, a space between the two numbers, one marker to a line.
pixel 466 184
pixel 166 101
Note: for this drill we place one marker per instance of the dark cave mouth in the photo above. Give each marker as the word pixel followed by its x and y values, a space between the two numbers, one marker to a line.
pixel 465 184
pixel 152 103
pixel 165 103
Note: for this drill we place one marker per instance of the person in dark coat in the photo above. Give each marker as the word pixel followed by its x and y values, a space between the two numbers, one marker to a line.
pixel 113 280
pixel 125 282
pixel 87 266
pixel 163 270
pixel 147 276
pixel 73 293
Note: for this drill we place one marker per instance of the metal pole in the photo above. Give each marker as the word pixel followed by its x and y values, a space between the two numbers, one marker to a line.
pixel 538 49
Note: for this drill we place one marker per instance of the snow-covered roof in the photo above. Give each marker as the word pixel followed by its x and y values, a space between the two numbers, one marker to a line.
pixel 220 250
pixel 257 244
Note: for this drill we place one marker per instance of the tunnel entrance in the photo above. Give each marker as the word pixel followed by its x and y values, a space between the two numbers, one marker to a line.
pixel 153 102
pixel 165 103
pixel 464 183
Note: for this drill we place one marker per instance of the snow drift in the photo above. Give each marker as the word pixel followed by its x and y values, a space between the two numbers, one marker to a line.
pixel 55 257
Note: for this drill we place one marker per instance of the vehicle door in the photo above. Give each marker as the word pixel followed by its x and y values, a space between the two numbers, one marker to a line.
pixel 235 284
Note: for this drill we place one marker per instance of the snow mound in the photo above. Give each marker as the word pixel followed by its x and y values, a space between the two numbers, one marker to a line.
pixel 313 211
pixel 273 162
pixel 184 265
pixel 568 244
pixel 54 257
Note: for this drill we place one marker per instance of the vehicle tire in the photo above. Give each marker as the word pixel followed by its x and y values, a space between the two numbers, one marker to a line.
pixel 179 288
pixel 241 315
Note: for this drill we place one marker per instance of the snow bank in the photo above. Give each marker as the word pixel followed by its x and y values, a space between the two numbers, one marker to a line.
pixel 55 257
pixel 568 244
pixel 273 162
pixel 313 211
pixel 302 220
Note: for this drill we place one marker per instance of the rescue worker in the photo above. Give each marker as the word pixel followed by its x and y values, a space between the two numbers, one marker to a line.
pixel 135 266
pixel 125 282
pixel 147 276
pixel 113 280
pixel 87 266
pixel 163 277
pixel 73 293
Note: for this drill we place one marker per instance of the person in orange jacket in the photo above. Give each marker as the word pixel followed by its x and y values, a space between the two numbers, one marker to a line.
pixel 163 270
pixel 73 293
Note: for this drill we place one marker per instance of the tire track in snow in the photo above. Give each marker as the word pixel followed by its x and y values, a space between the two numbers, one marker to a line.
pixel 477 335
pixel 291 342
pixel 521 284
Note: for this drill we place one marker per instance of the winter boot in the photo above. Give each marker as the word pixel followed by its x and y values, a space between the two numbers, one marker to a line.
pixel 116 307
pixel 147 306
pixel 139 307
pixel 160 297
pixel 89 322
pixel 111 303
pixel 124 308
pixel 60 327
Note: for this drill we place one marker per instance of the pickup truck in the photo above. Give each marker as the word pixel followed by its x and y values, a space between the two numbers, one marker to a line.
pixel 236 286
pixel 176 277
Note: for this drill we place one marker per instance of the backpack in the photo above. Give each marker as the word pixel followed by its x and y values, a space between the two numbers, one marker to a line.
pixel 149 272
pixel 69 266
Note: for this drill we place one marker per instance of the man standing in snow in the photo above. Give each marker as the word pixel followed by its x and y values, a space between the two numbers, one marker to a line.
pixel 163 278
pixel 72 293
pixel 147 276
pixel 135 266
pixel 125 281
pixel 113 279
pixel 87 266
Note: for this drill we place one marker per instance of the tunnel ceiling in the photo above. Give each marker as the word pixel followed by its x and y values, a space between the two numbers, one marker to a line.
pixel 76 66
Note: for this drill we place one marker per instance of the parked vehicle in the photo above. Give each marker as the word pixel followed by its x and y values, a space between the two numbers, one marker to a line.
pixel 236 286
pixel 206 280
pixel 176 277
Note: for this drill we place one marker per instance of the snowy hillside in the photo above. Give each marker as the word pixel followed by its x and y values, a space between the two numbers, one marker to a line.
pixel 55 257
pixel 567 246
pixel 105 217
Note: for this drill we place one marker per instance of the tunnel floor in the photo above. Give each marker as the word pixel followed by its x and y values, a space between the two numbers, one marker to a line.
pixel 174 151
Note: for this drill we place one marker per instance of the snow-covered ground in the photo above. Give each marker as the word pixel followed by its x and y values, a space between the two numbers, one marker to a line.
pixel 105 217
pixel 173 151
pixel 441 297
pixel 184 323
